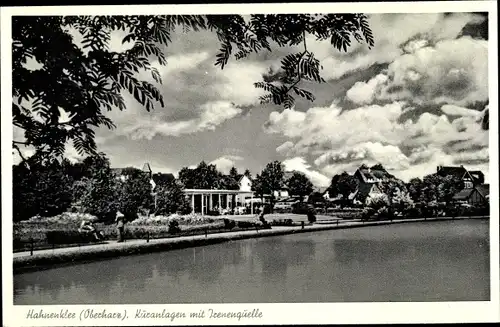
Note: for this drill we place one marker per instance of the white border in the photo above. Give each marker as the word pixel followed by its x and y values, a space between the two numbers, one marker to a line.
pixel 321 313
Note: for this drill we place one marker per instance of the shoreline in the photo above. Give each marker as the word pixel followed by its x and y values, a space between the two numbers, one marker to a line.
pixel 47 259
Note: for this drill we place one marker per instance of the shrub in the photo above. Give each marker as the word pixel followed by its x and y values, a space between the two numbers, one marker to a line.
pixel 282 222
pixel 173 227
pixel 170 198
pixel 229 223
pixel 311 214
pixel 246 224
pixel 68 237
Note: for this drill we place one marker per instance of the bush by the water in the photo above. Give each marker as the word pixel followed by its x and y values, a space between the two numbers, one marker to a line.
pixel 282 222
pixel 229 223
pixel 68 237
pixel 173 227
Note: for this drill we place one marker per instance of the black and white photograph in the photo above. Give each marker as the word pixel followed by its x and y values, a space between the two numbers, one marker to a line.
pixel 233 155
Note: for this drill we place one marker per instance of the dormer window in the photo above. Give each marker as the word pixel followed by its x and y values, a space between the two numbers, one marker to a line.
pixel 469 185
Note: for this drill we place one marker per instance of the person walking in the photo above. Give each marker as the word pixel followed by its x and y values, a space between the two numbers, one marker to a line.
pixel 120 225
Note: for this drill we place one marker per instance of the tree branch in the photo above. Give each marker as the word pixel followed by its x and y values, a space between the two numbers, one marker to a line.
pixel 23 160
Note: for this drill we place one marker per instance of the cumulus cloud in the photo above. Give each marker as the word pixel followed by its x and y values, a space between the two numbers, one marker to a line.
pixel 362 92
pixel 226 162
pixel 285 148
pixel 451 72
pixel 338 140
pixel 300 164
pixel 408 32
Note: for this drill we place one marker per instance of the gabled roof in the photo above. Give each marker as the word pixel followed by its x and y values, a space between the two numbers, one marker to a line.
pixel 376 172
pixel 463 194
pixel 483 189
pixel 146 168
pixel 363 191
pixel 160 178
pixel 458 172
pixel 477 175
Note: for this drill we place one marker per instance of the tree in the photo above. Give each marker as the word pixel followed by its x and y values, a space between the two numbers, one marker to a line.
pixel 171 199
pixel 260 187
pixel 343 184
pixel 134 192
pixel 231 181
pixel 397 194
pixel 415 189
pixel 299 185
pixel 204 176
pixel 272 177
pixel 43 190
pixel 248 174
pixel 84 82
pixel 97 194
pixel 437 188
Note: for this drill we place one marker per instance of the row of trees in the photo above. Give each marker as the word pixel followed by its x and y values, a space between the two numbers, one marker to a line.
pixel 433 188
pixel 91 186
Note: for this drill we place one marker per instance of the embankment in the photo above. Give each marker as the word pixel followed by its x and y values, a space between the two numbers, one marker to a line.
pixel 43 259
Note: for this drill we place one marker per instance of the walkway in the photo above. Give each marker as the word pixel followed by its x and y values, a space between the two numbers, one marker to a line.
pixel 113 249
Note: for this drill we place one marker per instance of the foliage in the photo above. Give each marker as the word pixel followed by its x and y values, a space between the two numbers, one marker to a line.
pixel 85 80
pixel 43 190
pixel 435 187
pixel 229 223
pixel 259 186
pixel 170 199
pixel 204 176
pixel 272 178
pixel 298 184
pixel 173 227
pixel 97 194
pixel 343 184
pixel 134 193
pixel 316 197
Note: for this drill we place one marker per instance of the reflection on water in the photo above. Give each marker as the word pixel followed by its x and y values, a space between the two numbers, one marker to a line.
pixel 439 261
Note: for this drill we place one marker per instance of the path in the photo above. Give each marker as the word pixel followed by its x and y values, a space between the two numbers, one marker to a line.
pixel 114 249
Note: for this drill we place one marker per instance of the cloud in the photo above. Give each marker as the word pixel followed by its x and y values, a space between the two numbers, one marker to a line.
pixel 453 110
pixel 139 125
pixel 362 92
pixel 285 148
pixel 226 162
pixel 451 72
pixel 394 34
pixel 337 140
pixel 300 164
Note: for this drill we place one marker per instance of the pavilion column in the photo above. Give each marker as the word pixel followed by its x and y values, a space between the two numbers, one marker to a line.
pixel 227 202
pixel 251 204
pixel 192 203
pixel 202 203
pixel 219 204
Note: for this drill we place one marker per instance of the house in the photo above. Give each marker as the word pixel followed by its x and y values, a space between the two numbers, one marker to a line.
pixel 371 175
pixel 478 195
pixel 470 178
pixel 366 191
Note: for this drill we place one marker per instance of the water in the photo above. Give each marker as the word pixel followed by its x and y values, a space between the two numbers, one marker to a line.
pixel 434 261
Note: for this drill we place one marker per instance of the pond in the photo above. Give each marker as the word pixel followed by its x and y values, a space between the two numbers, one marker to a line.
pixel 427 261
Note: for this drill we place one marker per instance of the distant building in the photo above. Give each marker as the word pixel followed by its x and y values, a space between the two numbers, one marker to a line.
pixel 365 191
pixel 470 178
pixel 478 195
pixel 372 175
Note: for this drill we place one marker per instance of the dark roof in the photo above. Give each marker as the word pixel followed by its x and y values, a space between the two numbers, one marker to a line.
pixel 477 175
pixel 363 191
pixel 146 168
pixel 483 189
pixel 463 194
pixel 375 172
pixel 159 178
pixel 451 170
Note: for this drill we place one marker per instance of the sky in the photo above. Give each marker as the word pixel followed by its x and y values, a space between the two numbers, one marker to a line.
pixel 412 102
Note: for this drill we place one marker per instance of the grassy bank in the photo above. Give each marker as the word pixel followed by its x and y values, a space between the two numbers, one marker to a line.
pixel 49 258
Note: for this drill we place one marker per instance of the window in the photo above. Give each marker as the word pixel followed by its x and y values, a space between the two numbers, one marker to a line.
pixel 468 185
